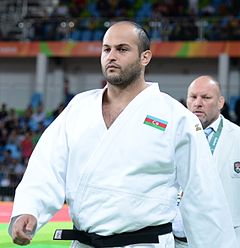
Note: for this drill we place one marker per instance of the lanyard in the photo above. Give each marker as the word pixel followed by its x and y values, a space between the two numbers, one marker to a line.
pixel 215 137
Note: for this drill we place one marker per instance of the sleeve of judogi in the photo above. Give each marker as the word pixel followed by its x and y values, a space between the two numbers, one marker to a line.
pixel 206 215
pixel 41 192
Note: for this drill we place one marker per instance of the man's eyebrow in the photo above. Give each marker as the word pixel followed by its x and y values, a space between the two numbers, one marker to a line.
pixel 118 45
pixel 123 44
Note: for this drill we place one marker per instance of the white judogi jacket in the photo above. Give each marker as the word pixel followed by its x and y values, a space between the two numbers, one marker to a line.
pixel 227 157
pixel 126 177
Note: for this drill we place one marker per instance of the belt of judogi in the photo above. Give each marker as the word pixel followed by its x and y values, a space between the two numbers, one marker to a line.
pixel 183 239
pixel 145 235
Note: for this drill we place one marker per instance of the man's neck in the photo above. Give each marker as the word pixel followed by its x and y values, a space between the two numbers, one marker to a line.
pixel 115 101
pixel 115 94
pixel 214 124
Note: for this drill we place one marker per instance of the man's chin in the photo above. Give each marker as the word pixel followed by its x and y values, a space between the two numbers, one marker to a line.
pixel 112 82
pixel 199 115
pixel 201 118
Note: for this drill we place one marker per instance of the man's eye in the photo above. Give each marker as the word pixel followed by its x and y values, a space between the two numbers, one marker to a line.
pixel 106 50
pixel 122 49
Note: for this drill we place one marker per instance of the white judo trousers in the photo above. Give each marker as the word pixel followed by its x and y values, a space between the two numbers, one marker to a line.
pixel 126 177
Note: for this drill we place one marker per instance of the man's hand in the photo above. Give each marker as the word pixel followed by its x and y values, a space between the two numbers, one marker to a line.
pixel 23 228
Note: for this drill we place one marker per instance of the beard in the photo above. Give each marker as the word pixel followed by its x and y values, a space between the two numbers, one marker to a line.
pixel 205 123
pixel 124 77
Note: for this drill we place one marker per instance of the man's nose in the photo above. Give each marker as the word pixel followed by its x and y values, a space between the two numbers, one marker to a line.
pixel 112 55
pixel 198 101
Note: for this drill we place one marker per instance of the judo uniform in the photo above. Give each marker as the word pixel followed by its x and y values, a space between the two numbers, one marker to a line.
pixel 227 157
pixel 127 177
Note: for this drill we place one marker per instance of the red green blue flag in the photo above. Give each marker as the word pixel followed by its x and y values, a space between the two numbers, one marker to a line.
pixel 155 122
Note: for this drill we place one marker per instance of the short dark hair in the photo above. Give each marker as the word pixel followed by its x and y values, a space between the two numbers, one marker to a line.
pixel 144 40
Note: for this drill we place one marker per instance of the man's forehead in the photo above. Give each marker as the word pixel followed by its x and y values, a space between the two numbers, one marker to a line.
pixel 121 31
pixel 199 90
pixel 109 44
pixel 202 93
pixel 120 41
pixel 204 82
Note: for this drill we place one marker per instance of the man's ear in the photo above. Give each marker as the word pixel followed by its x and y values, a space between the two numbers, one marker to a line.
pixel 146 57
pixel 221 102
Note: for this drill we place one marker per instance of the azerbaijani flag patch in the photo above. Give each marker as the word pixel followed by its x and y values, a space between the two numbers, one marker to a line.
pixel 155 122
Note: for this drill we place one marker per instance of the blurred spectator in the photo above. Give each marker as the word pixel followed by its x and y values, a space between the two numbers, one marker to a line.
pixel 7 158
pixel 193 7
pixel 38 116
pixel 3 111
pixel 27 146
pixel 12 145
pixel 53 23
pixel 18 137
pixel 6 181
pixel 77 7
pixel 25 118
pixel 18 170
pixel 123 7
pixel 61 10
pixel 3 136
pixel 37 134
pixel 103 7
pixel 66 91
pixel 11 120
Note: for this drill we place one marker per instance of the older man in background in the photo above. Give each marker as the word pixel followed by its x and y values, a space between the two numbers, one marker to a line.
pixel 205 100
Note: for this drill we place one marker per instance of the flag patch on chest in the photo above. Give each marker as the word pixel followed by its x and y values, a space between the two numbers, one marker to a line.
pixel 155 122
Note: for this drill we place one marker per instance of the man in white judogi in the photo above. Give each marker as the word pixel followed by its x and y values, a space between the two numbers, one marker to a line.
pixel 118 156
pixel 205 100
